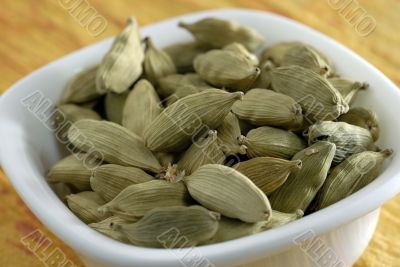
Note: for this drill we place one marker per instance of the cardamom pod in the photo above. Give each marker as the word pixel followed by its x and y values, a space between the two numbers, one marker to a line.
pixel 114 105
pixel 116 144
pixel 227 191
pixel 227 69
pixel 281 218
pixel 364 118
pixel 164 158
pixel 157 63
pixel 347 88
pixel 85 204
pixel 266 107
pixel 349 139
pixel 171 227
pixel 110 179
pixel 264 79
pixel 302 186
pixel 317 97
pixel 62 190
pixel 73 170
pixel 182 91
pixel 82 88
pixel 272 142
pixel 219 33
pixel 239 49
pixel 268 173
pixel 204 151
pixel 351 175
pixel 183 54
pixel 228 135
pixel 137 199
pixel 173 129
pixel 104 227
pixel 122 65
pixel 142 106
pixel 171 83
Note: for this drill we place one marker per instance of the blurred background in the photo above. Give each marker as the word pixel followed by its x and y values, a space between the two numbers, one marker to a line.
pixel 36 32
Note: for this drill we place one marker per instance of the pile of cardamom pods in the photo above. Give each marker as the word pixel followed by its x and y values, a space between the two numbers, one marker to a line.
pixel 209 140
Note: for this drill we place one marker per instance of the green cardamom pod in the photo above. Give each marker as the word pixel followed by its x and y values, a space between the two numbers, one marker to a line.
pixel 347 88
pixel 164 158
pixel 228 135
pixel 182 91
pixel 171 83
pixel 364 118
pixel 266 107
pixel 281 218
pixel 240 49
pixel 227 191
pixel 302 186
pixel 104 227
pixel 173 129
pixel 62 190
pixel 122 65
pixel 264 79
pixel 114 105
pixel 219 33
pixel 85 204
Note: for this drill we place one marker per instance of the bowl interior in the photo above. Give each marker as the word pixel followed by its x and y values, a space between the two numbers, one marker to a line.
pixel 29 148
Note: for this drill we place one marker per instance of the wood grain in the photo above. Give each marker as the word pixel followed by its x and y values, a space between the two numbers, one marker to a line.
pixel 37 32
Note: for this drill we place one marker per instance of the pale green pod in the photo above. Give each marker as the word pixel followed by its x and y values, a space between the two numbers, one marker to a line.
pixel 81 88
pixel 171 83
pixel 114 105
pixel 172 227
pixel 264 79
pixel 264 107
pixel 172 130
pixel 227 69
pixel 157 63
pixel 183 54
pixel 104 227
pixel 182 91
pixel 110 179
pixel 351 175
pixel 227 191
pixel 219 33
pixel 364 118
pixel 142 106
pixel 317 97
pixel 204 151
pixel 302 186
pixel 348 88
pixel 349 139
pixel 137 199
pixel 281 218
pixel 268 173
pixel 62 190
pixel 85 204
pixel 122 65
pixel 228 135
pixel 240 49
pixel 115 143
pixel 272 142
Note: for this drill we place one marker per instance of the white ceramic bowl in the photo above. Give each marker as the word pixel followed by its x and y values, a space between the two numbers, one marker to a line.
pixel 28 149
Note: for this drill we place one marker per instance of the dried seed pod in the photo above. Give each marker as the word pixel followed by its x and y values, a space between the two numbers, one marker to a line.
pixel 110 179
pixel 268 173
pixel 115 143
pixel 204 151
pixel 182 91
pixel 281 218
pixel 228 135
pixel 172 130
pixel 272 142
pixel 266 107
pixel 347 88
pixel 241 50
pixel 364 118
pixel 351 175
pixel 142 106
pixel 62 190
pixel 227 191
pixel 171 83
pixel 104 227
pixel 195 223
pixel 157 63
pixel 85 205
pixel 122 65
pixel 183 54
pixel 74 170
pixel 114 105
pixel 349 139
pixel 82 88
pixel 264 79
pixel 301 186
pixel 71 113
pixel 137 199
pixel 317 97
pixel 227 69
pixel 219 33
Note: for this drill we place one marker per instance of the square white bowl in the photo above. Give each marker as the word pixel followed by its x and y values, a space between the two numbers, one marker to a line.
pixel 28 149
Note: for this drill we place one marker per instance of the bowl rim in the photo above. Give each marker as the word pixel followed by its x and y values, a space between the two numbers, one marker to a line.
pixel 95 245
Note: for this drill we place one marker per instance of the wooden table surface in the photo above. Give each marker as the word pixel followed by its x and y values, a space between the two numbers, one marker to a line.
pixel 34 33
